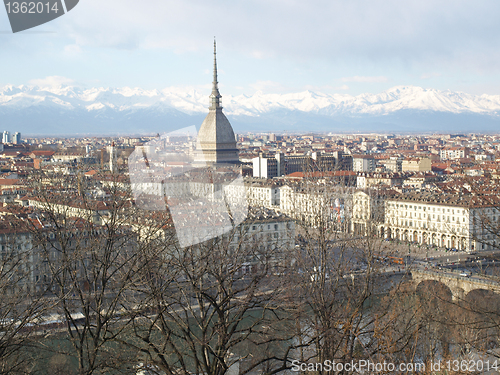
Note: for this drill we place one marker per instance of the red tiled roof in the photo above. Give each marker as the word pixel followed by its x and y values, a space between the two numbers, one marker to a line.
pixel 9 181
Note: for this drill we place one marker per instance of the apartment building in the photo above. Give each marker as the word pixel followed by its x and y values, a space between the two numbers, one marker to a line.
pixel 267 232
pixel 262 193
pixel 363 163
pixel 317 205
pixel 451 221
pixel 368 210
pixel 268 167
pixel 280 164
pixel 367 180
pixel 454 153
pixel 416 165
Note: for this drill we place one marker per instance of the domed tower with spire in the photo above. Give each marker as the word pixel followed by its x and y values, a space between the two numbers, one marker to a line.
pixel 216 142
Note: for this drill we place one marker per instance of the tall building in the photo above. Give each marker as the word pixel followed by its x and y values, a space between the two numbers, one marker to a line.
pixel 6 137
pixel 268 167
pixel 363 163
pixel 280 165
pixel 16 139
pixel 112 158
pixel 216 141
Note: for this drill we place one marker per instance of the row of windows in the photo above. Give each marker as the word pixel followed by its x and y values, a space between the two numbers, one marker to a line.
pixel 276 227
pixel 405 222
pixel 443 217
pixel 415 207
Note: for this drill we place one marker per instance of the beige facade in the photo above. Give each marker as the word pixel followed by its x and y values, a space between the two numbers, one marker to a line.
pixel 317 205
pixel 367 180
pixel 269 232
pixel 367 212
pixel 303 204
pixel 416 165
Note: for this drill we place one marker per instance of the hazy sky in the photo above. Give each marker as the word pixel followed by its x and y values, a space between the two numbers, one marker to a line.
pixel 276 46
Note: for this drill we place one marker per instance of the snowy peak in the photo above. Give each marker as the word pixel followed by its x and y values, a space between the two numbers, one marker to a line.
pixel 128 99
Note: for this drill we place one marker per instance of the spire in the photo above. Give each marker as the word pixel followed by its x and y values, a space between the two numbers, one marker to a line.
pixel 215 96
pixel 215 88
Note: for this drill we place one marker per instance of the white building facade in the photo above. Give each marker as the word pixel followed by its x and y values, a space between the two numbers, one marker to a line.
pixel 363 163
pixel 441 221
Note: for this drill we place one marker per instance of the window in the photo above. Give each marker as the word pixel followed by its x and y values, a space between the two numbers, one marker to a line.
pixel 275 226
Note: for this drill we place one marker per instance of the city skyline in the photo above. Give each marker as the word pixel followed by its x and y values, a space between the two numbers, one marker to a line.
pixel 346 208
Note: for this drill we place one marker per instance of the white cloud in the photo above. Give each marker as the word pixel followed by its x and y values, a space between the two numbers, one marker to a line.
pixel 378 79
pixel 51 81
pixel 380 30
pixel 321 40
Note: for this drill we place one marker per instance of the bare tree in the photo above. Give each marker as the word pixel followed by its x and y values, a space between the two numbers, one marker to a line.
pixel 343 286
pixel 21 308
pixel 216 306
pixel 86 252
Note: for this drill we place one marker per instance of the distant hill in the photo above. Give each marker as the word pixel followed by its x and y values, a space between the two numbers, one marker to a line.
pixel 69 110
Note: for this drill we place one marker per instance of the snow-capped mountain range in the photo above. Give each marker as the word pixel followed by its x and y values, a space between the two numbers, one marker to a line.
pixel 70 109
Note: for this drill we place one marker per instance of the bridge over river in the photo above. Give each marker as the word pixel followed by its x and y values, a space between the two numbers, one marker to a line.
pixel 459 286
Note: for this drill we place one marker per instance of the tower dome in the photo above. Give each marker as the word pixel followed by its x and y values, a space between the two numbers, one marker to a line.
pixel 216 141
